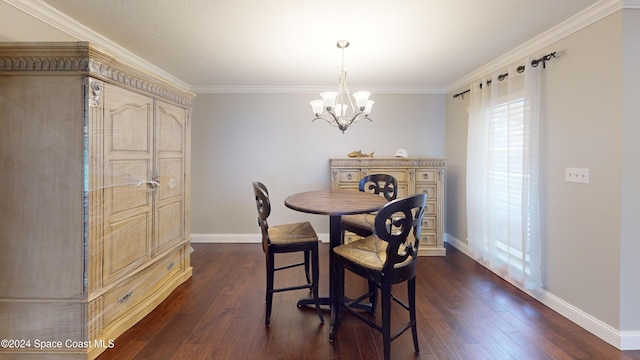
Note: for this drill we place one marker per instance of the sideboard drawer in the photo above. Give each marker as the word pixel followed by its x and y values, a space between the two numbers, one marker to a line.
pixel 430 190
pixel 348 175
pixel 431 208
pixel 426 175
pixel 400 175
pixel 427 239
pixel 428 223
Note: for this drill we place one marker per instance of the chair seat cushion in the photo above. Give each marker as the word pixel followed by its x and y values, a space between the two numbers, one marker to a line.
pixel 369 252
pixel 292 233
pixel 361 221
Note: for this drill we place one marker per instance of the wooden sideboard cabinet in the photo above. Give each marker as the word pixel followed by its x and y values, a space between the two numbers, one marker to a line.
pixel 414 175
pixel 94 189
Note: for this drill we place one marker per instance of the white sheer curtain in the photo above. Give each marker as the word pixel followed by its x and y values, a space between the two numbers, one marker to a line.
pixel 502 175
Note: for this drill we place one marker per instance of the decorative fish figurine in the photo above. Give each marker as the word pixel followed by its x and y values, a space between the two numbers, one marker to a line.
pixel 359 154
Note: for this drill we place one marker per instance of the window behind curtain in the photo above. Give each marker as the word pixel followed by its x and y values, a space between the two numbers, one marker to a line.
pixel 502 177
pixel 505 178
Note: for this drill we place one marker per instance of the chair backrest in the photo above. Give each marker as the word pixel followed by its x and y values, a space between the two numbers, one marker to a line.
pixel 264 210
pixel 399 223
pixel 384 184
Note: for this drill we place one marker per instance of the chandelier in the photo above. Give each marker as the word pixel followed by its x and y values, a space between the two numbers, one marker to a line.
pixel 334 106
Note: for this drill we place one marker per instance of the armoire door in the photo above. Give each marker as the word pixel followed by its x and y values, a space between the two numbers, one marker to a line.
pixel 128 181
pixel 171 157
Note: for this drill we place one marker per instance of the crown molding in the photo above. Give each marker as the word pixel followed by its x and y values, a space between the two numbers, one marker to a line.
pixel 419 90
pixel 53 17
pixel 582 19
pixel 62 58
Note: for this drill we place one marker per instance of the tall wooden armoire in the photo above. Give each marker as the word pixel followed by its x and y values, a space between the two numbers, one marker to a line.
pixel 94 197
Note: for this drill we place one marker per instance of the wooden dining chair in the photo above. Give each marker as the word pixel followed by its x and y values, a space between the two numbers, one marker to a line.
pixel 286 238
pixel 362 224
pixel 387 257
pixel 384 184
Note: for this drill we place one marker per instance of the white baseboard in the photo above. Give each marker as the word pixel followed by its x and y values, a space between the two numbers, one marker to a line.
pixel 623 340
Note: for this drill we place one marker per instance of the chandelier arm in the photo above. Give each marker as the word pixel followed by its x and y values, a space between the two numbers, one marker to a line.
pixel 335 117
pixel 357 117
pixel 360 117
pixel 332 123
pixel 335 122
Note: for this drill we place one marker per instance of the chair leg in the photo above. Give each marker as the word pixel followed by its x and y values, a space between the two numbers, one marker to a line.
pixel 373 299
pixel 306 266
pixel 386 320
pixel 269 296
pixel 315 277
pixel 336 310
pixel 411 286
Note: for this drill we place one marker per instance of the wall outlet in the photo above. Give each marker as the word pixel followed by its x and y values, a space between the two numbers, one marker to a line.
pixel 576 175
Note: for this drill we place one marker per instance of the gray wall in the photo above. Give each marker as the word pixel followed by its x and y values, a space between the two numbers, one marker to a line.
pixel 630 207
pixel 241 138
pixel 590 121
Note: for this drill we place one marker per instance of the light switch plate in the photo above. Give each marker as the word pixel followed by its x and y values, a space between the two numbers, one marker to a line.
pixel 576 175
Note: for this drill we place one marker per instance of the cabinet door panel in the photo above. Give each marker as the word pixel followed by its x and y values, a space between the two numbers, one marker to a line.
pixel 170 223
pixel 170 176
pixel 170 161
pixel 128 186
pixel 128 167
pixel 127 246
pixel 170 122
pixel 130 123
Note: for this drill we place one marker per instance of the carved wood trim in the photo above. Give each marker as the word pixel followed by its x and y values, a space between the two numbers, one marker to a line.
pixel 85 58
pixel 386 162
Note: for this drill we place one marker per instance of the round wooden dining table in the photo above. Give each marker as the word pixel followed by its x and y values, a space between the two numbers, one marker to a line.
pixel 334 203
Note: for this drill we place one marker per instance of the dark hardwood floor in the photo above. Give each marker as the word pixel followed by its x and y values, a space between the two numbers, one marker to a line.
pixel 464 312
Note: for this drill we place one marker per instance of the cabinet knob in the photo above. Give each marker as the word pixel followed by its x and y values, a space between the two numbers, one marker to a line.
pixel 349 176
pixel 425 176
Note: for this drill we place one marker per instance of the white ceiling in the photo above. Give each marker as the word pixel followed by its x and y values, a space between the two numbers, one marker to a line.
pixel 420 44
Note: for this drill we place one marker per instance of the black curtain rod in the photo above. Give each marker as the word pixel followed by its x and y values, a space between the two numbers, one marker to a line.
pixel 520 69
